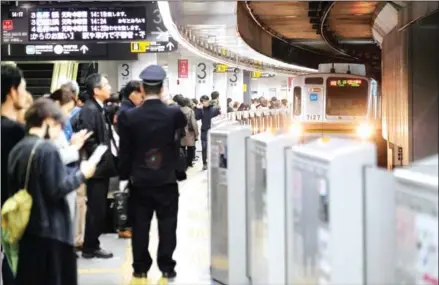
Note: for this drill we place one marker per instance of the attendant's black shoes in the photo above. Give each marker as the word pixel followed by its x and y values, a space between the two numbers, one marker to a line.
pixel 169 275
pixel 100 253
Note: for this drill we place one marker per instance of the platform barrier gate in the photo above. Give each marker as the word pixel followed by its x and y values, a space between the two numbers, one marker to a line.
pixel 227 164
pixel 339 214
pixel 266 207
pixel 416 228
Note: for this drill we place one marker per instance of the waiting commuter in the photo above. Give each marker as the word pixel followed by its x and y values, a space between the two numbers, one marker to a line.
pixel 46 253
pixel 73 87
pixel 22 112
pixel 93 118
pixel 131 96
pixel 229 105
pixel 205 114
pixel 215 99
pixel 149 151
pixel 263 104
pixel 13 86
pixel 191 132
pixel 70 156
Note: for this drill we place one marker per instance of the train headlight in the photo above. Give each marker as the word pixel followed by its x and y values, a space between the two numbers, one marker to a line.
pixel 365 131
pixel 296 130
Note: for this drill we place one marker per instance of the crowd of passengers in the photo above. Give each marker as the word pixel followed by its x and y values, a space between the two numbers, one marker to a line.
pixel 45 146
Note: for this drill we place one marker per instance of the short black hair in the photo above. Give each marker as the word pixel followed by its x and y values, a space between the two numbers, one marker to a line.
pixel 83 96
pixel 178 99
pixel 204 98
pixel 195 101
pixel 214 95
pixel 63 96
pixel 186 102
pixel 130 87
pixel 93 81
pixel 229 100
pixel 152 89
pixel 114 98
pixel 42 109
pixel 11 79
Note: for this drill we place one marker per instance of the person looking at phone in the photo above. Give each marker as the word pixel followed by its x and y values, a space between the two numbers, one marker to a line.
pixel 69 145
pixel 49 232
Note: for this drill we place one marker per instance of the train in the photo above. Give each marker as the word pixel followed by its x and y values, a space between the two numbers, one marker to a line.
pixel 339 100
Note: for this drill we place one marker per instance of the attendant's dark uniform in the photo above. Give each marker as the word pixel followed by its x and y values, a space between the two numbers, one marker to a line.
pixel 148 156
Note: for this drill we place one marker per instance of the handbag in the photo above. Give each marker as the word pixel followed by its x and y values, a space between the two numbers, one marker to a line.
pixel 15 216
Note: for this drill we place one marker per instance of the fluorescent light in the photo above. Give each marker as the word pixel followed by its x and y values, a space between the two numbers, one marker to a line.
pixel 175 33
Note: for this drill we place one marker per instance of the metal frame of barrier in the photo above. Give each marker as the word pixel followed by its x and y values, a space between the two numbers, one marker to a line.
pixel 227 199
pixel 266 207
pixel 416 228
pixel 338 219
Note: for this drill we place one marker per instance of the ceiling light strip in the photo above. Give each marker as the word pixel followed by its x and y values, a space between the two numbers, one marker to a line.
pixel 175 33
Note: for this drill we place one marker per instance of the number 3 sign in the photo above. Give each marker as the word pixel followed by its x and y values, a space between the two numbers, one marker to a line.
pixel 124 74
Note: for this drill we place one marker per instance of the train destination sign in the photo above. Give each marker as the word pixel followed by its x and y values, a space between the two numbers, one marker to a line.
pixel 75 24
pixel 346 83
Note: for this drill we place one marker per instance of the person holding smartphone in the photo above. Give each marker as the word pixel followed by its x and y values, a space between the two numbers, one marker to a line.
pixel 46 253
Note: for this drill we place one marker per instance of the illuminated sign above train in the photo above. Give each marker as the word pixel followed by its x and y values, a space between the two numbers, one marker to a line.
pixel 346 83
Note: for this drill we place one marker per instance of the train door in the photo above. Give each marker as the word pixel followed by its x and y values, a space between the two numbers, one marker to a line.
pixel 314 99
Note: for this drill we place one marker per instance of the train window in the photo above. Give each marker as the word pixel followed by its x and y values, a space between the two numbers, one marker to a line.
pixel 297 101
pixel 346 96
pixel 314 80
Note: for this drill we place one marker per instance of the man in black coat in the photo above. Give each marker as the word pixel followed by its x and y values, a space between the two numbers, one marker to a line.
pixel 93 118
pixel 149 155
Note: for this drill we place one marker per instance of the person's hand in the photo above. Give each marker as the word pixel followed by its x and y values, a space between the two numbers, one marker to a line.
pixel 78 139
pixel 123 185
pixel 88 169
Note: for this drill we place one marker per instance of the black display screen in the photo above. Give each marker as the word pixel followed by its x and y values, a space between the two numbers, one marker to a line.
pixel 74 24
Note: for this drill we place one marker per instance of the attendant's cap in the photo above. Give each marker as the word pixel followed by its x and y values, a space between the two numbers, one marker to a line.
pixel 153 75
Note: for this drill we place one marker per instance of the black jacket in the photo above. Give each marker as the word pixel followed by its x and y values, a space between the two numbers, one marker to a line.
pixel 206 114
pixel 93 118
pixel 49 183
pixel 149 143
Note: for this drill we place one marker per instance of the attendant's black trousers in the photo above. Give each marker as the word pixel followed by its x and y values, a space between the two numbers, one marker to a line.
pixel 97 192
pixel 144 201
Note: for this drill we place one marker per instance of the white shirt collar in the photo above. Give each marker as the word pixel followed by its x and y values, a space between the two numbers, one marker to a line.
pixel 100 103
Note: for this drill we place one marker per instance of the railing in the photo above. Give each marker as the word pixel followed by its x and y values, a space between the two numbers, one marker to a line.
pixel 274 121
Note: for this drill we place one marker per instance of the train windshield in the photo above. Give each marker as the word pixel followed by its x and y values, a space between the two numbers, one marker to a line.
pixel 346 96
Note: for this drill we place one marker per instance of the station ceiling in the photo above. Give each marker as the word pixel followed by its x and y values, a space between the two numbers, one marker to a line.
pixel 338 30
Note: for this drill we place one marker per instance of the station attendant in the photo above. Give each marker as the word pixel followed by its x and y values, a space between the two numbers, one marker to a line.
pixel 149 151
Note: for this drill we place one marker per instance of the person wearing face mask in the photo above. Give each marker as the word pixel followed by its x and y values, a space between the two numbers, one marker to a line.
pixel 94 119
pixel 46 253
pixel 14 94
pixel 69 150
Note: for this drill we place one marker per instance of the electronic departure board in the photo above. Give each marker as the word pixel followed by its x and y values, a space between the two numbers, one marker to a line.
pixel 346 82
pixel 74 24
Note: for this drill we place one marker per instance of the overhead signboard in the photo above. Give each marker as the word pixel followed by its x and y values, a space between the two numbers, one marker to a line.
pixel 54 50
pixel 256 74
pixel 75 24
pixel 86 23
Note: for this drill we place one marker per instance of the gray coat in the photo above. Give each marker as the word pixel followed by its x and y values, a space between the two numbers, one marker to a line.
pixel 191 136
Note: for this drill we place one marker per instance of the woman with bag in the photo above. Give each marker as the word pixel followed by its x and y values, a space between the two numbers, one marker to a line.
pixel 46 255
pixel 191 130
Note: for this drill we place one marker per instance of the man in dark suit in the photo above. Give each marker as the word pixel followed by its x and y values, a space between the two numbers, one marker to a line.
pixel 93 118
pixel 149 154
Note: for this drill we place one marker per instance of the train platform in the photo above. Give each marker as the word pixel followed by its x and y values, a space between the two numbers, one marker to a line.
pixel 193 243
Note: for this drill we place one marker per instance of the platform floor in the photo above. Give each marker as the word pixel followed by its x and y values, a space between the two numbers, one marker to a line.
pixel 193 244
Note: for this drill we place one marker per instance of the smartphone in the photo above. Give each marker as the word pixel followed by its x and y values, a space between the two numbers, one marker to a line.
pixel 96 157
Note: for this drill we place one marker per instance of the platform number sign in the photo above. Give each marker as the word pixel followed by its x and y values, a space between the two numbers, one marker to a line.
pixel 201 72
pixel 124 74
pixel 234 77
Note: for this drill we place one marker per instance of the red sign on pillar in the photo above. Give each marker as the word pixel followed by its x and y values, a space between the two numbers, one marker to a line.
pixel 183 68
pixel 290 82
pixel 7 25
